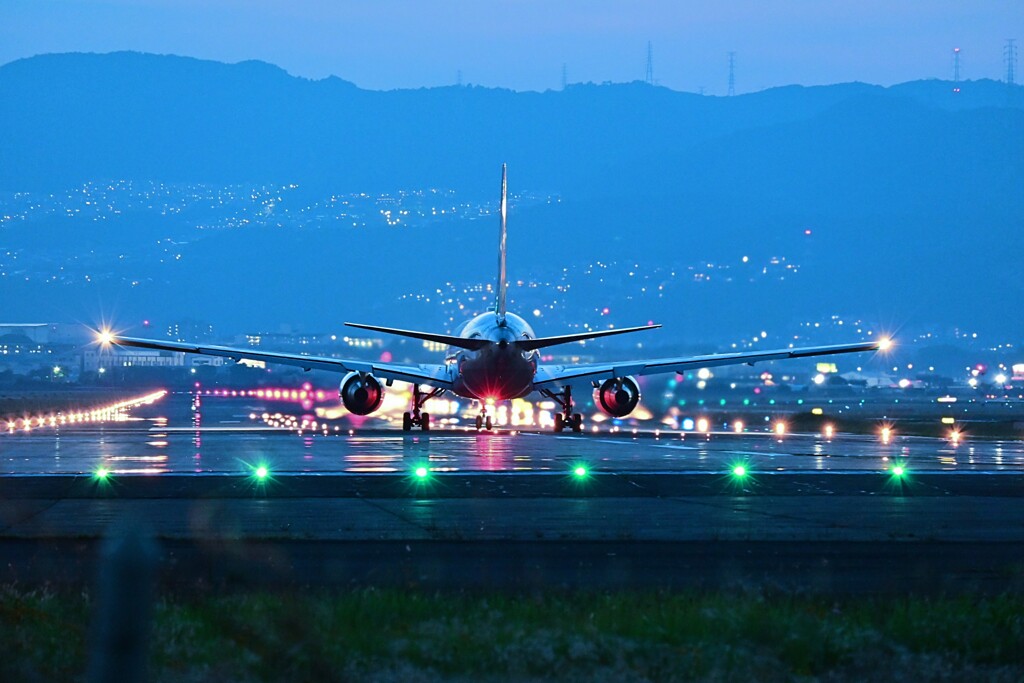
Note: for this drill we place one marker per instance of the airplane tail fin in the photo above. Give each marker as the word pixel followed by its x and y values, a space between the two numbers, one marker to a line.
pixel 499 302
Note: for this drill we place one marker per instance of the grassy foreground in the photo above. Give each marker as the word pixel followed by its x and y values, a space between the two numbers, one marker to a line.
pixel 385 635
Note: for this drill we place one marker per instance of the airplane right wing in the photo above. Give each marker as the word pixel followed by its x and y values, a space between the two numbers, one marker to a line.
pixel 568 374
pixel 433 375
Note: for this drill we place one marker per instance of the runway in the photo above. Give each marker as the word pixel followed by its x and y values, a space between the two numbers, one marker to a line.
pixel 227 435
pixel 455 510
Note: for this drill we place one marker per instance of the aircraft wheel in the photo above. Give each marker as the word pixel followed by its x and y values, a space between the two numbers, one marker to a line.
pixel 425 422
pixel 487 422
pixel 577 423
pixel 406 422
pixel 559 423
pixel 479 422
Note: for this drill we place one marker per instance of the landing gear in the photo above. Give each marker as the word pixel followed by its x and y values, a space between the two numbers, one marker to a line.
pixel 566 418
pixel 483 421
pixel 416 418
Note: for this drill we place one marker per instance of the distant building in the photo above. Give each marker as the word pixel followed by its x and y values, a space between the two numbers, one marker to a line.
pixel 868 380
pixel 94 359
pixel 48 333
pixel 34 332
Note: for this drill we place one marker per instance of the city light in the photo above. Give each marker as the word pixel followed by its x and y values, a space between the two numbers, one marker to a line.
pixel 703 425
pixel 737 426
pixel 780 428
pixel 829 431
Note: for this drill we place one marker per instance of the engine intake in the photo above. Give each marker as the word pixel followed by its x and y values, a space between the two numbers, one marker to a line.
pixel 617 396
pixel 361 393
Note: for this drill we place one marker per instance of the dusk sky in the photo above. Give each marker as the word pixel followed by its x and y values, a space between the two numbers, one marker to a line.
pixel 522 44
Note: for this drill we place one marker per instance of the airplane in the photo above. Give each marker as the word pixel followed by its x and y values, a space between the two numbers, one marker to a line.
pixel 494 357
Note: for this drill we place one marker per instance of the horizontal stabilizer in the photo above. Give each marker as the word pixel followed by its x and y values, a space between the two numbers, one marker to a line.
pixel 450 340
pixel 543 342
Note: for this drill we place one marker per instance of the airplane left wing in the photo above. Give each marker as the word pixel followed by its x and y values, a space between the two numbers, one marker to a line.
pixel 433 375
pixel 567 374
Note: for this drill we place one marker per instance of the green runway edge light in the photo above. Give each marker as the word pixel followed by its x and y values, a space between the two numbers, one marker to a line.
pixel 421 472
pixel 102 473
pixel 898 471
pixel 739 471
pixel 579 471
pixel 261 474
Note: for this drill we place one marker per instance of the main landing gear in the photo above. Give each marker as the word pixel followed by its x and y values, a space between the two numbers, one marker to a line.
pixel 416 418
pixel 566 418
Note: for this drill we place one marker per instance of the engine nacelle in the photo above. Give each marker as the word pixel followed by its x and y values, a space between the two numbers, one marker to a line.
pixel 617 396
pixel 361 393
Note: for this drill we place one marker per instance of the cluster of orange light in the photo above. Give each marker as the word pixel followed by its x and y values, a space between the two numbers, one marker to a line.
pixel 293 423
pixel 114 411
pixel 276 394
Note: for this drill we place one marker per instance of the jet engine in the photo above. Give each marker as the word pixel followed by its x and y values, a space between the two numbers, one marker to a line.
pixel 361 393
pixel 617 396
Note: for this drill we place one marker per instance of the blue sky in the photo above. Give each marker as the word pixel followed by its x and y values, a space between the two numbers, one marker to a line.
pixel 522 44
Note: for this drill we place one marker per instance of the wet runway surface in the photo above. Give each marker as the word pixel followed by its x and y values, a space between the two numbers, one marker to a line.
pixel 227 435
pixel 452 509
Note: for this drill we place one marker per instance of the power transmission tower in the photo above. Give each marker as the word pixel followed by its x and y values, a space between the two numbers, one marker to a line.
pixel 649 75
pixel 1010 57
pixel 956 69
pixel 732 74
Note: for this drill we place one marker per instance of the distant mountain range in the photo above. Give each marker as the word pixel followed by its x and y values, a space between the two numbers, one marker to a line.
pixel 70 117
pixel 915 194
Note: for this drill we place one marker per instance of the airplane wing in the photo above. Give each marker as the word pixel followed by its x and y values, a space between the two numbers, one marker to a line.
pixel 433 375
pixel 567 374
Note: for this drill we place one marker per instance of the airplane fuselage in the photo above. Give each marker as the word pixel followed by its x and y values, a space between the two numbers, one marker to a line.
pixel 498 371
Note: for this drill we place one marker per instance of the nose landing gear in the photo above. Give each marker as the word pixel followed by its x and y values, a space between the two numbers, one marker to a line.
pixel 483 421
pixel 416 418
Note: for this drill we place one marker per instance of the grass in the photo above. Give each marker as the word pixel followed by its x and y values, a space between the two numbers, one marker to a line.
pixel 383 635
